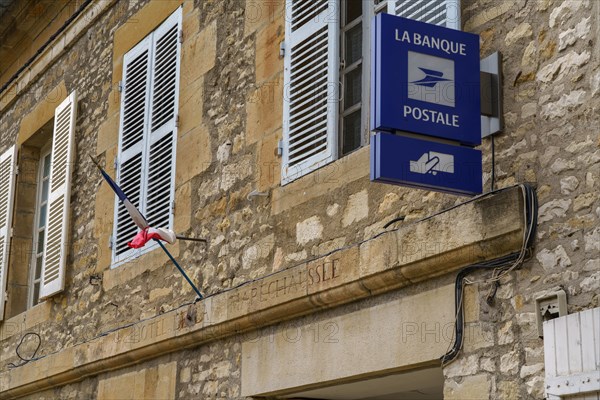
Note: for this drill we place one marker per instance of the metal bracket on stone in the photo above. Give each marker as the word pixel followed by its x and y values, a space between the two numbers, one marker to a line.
pixel 492 107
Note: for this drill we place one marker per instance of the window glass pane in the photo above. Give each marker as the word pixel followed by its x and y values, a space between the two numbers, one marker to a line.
pixel 45 190
pixel 38 268
pixel 42 220
pixel 47 165
pixel 353 10
pixel 352 88
pixel 36 293
pixel 353 45
pixel 40 244
pixel 351 137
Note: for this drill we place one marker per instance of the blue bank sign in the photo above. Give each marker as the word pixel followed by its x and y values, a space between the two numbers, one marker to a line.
pixel 425 80
pixel 424 164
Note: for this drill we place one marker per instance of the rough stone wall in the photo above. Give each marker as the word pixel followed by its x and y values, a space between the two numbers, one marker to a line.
pixel 551 57
pixel 551 139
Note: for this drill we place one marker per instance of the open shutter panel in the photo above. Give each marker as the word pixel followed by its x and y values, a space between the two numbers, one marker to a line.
pixel 134 118
pixel 311 84
pixel 163 130
pixel 438 12
pixel 57 223
pixel 7 190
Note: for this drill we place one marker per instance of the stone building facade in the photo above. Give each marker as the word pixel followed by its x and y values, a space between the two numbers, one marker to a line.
pixel 309 292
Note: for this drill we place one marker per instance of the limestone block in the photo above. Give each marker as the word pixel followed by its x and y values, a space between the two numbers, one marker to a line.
pixel 565 10
pixel 472 387
pixel 194 154
pixel 190 105
pixel 108 133
pixel 150 383
pixel 259 13
pixel 268 62
pixel 463 366
pixel 183 208
pixel 509 363
pixel 264 109
pixel 554 209
pixel 198 54
pixel 308 230
pixel 269 163
pixel 584 201
pixel 357 208
pixel 570 36
pixel 522 30
pixel 550 259
pixel 563 66
pixel 139 25
pixel 568 184
pixel 591 284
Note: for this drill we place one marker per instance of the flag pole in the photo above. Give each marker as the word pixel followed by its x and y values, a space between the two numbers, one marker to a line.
pixel 141 222
pixel 190 239
pixel 187 278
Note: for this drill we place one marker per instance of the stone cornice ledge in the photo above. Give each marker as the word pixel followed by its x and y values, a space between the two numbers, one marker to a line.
pixel 484 229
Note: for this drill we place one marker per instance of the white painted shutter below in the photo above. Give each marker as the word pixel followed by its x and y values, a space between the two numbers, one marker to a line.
pixel 7 190
pixel 438 12
pixel 572 355
pixel 57 222
pixel 311 82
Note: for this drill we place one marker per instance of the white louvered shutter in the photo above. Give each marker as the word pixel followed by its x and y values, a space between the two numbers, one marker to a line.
pixel 134 115
pixel 311 86
pixel 7 192
pixel 57 222
pixel 438 12
pixel 160 168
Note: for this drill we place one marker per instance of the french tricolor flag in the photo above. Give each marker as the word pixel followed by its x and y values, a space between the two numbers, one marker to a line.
pixel 146 232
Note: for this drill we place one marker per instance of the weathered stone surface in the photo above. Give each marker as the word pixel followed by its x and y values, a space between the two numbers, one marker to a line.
pixel 554 209
pixel 550 259
pixel 592 240
pixel 522 31
pixel 565 10
pixel 591 283
pixel 509 363
pixel 570 36
pixel 563 66
pixel 471 387
pixel 356 209
pixel 308 230
pixel 463 367
pixel 568 184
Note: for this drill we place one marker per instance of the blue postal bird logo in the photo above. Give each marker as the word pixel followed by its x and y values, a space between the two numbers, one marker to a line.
pixel 431 79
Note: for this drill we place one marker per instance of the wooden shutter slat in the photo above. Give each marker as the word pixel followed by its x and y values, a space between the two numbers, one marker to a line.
pixel 7 194
pixel 57 219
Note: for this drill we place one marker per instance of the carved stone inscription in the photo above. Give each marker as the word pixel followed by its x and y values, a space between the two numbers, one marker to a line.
pixel 285 285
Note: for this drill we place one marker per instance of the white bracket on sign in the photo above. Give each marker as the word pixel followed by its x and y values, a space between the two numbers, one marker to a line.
pixel 492 107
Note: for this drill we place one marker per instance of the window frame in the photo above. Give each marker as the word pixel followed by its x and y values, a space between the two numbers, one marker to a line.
pixel 150 136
